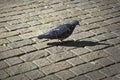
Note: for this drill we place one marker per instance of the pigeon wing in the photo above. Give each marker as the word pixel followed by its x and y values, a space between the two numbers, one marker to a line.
pixel 60 32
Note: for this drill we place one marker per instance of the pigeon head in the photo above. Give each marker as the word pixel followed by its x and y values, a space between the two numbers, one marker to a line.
pixel 75 22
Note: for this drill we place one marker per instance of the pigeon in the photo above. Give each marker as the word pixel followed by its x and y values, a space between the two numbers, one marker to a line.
pixel 61 32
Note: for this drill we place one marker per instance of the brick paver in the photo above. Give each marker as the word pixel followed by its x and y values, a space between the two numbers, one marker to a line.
pixel 35 74
pixel 93 55
pixel 20 68
pixel 65 74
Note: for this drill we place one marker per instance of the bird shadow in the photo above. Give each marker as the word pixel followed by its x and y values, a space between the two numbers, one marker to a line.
pixel 77 43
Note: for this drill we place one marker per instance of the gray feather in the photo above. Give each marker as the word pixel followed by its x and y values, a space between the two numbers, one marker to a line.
pixel 61 32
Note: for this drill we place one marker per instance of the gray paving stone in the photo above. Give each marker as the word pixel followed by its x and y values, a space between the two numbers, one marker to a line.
pixel 34 55
pixel 47 11
pixel 60 7
pixel 61 56
pixel 10 53
pixel 8 34
pixel 82 35
pixel 49 19
pixel 117 32
pixel 4 48
pixel 14 22
pixel 96 14
pixel 106 12
pixel 80 51
pixel 118 46
pixel 111 70
pixel 2 30
pixel 14 38
pixel 112 27
pixel 3 41
pixel 41 62
pixel 67 48
pixel 55 67
pixel 45 26
pixel 92 10
pixel 114 58
pixel 34 28
pixel 81 69
pixel 30 34
pixel 95 75
pixel 104 61
pixel 75 12
pixel 24 67
pixel 81 78
pixel 22 31
pixel 84 16
pixel 55 50
pixel 11 13
pixel 18 26
pixel 33 23
pixel 12 61
pixel 86 4
pixel 116 13
pixel 88 41
pixel 102 24
pixel 93 20
pixel 112 78
pixel 112 51
pixel 93 56
pixel 117 7
pixel 5 19
pixel 34 74
pixel 118 75
pixel 104 7
pixel 3 74
pixel 50 77
pixel 31 13
pixel 18 77
pixel 107 16
pixel 57 13
pixel 114 41
pixel 20 43
pixel 111 1
pixel 98 31
pixel 41 46
pixel 104 36
pixel 27 20
pixel 64 75
pixel 28 10
pixel 75 61
pixel 100 46
pixel 3 65
pixel 27 49
pixel 113 20
pixel 2 25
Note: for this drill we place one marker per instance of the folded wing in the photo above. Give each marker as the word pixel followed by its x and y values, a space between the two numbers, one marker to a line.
pixel 62 31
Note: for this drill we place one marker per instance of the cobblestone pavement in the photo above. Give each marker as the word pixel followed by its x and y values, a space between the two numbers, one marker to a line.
pixel 93 55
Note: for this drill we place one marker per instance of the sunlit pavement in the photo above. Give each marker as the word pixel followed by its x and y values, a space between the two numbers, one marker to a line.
pixel 92 52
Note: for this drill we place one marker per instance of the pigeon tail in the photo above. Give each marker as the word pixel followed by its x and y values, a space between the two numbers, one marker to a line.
pixel 41 36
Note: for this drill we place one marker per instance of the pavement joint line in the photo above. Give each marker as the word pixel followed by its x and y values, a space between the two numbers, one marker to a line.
pixel 23 19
